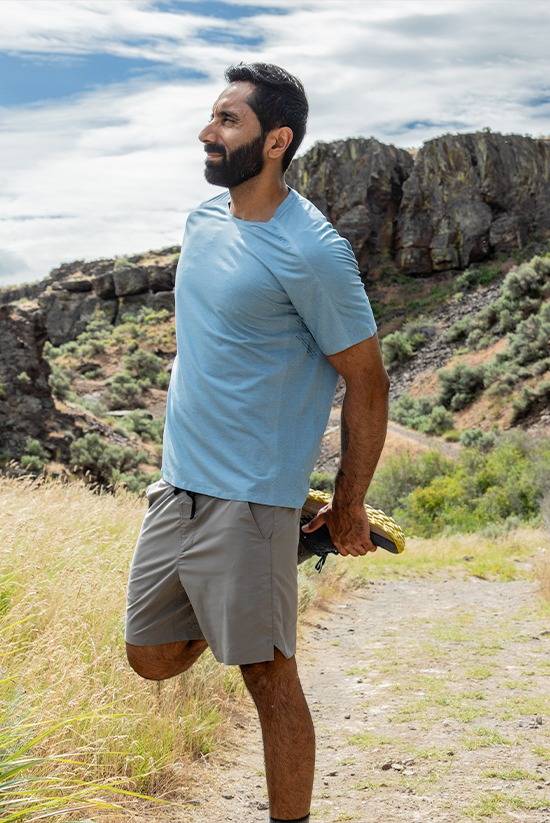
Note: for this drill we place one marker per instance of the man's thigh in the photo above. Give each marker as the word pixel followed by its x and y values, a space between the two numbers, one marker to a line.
pixel 240 573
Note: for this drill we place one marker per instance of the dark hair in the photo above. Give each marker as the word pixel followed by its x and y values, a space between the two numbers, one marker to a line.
pixel 278 100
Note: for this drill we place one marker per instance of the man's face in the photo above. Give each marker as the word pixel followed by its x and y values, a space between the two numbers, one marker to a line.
pixel 233 139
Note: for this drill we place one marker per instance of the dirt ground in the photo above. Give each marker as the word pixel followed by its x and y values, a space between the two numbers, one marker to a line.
pixel 430 703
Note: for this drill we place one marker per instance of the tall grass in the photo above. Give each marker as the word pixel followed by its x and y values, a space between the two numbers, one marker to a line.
pixel 64 561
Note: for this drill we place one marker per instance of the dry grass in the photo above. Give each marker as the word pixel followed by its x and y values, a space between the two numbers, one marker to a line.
pixel 65 552
pixel 542 574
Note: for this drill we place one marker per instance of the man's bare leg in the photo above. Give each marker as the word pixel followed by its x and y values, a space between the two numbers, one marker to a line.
pixel 165 659
pixel 288 734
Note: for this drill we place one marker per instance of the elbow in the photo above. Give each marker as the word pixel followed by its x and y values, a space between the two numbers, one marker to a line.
pixel 385 383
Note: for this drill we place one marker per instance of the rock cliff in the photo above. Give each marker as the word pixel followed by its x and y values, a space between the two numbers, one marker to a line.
pixel 460 200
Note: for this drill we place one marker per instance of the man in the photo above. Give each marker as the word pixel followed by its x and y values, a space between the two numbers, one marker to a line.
pixel 270 308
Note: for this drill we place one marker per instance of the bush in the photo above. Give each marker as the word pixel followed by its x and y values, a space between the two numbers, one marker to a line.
pixel 124 392
pixel 401 345
pixel 59 382
pixel 35 456
pixel 144 364
pixel 421 414
pixel 478 276
pixel 103 460
pixel 483 488
pixel 478 439
pixel 396 348
pixel 324 481
pixel 400 474
pixel 524 290
pixel 530 401
pixel 460 385
pixel 141 422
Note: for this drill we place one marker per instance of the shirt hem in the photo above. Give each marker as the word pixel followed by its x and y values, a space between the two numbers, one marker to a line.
pixel 203 488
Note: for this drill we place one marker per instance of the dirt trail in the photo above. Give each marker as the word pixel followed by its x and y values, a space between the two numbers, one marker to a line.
pixel 428 702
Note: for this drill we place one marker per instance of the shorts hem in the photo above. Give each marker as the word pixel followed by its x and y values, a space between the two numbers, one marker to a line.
pixel 157 642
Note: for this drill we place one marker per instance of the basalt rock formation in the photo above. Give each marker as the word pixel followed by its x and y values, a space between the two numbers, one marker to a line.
pixel 70 295
pixel 26 403
pixel 460 200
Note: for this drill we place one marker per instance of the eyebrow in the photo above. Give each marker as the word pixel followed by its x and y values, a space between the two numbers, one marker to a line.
pixel 227 112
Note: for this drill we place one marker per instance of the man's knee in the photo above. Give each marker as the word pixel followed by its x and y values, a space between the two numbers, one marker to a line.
pixel 165 659
pixel 269 674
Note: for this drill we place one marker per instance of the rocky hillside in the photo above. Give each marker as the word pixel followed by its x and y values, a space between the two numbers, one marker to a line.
pixel 87 351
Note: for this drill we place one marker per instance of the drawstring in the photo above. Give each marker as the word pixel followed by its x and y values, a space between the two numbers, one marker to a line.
pixel 191 495
pixel 321 562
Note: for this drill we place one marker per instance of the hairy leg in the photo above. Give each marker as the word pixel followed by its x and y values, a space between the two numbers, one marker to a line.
pixel 287 731
pixel 165 659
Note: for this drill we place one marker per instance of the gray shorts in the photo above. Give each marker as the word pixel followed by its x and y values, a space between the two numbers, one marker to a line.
pixel 229 575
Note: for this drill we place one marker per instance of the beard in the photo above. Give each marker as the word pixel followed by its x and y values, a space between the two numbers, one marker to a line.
pixel 243 163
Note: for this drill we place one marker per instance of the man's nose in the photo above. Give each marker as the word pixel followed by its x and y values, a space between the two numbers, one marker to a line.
pixel 207 132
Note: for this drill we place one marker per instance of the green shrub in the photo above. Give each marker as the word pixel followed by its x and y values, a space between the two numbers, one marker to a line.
pixel 59 381
pixel 478 438
pixel 125 392
pixel 483 488
pixel 479 275
pixel 23 378
pixel 530 400
pixel 140 422
pixel 523 291
pixel 529 341
pixel 324 481
pixel 400 474
pixel 104 461
pixel 144 364
pixel 460 385
pixel 401 345
pixel 396 348
pixel 421 413
pixel 34 457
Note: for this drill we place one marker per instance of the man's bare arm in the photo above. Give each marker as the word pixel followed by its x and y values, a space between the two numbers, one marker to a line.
pixel 364 419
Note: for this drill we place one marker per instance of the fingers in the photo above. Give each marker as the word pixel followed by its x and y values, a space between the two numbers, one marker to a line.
pixel 357 551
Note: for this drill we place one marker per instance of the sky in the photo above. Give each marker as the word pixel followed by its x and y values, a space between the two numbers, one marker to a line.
pixel 102 101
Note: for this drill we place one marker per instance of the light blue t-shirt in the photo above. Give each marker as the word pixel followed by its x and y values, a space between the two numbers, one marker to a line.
pixel 257 306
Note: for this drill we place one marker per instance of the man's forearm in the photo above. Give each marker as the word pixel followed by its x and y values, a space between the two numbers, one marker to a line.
pixel 363 428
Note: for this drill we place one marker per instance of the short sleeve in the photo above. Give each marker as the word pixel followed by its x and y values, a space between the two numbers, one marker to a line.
pixel 324 284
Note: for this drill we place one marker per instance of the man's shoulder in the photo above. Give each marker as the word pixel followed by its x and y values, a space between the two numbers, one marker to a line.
pixel 313 235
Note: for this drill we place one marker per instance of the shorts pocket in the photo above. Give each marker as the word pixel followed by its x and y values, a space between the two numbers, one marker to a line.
pixel 263 517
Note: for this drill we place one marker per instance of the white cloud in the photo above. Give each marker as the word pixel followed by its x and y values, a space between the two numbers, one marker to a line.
pixel 116 170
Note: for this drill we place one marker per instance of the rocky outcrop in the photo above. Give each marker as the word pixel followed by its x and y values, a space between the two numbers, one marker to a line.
pixel 72 293
pixel 469 196
pixel 26 402
pixel 459 200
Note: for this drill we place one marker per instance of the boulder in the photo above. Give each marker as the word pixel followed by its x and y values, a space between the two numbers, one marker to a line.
pixel 67 314
pixel 131 280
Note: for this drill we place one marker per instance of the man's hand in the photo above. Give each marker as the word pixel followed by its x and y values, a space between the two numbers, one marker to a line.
pixel 349 528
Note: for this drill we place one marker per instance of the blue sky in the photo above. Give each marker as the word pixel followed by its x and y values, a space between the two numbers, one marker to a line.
pixel 101 102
